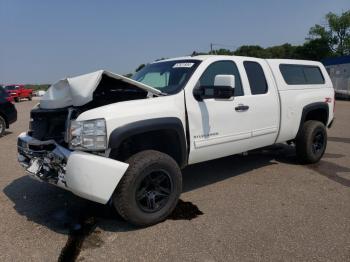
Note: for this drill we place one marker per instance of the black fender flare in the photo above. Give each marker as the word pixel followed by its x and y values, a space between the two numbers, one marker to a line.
pixel 310 107
pixel 121 133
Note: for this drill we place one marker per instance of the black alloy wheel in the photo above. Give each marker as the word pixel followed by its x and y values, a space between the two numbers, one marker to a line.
pixel 150 188
pixel 311 142
pixel 318 142
pixel 154 191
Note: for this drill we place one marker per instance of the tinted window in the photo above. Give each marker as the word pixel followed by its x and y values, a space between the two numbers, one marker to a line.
pixel 301 74
pixel 256 77
pixel 313 75
pixel 222 68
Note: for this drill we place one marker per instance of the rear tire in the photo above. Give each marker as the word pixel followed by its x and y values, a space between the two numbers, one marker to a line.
pixel 16 99
pixel 30 97
pixel 150 188
pixel 311 142
pixel 2 126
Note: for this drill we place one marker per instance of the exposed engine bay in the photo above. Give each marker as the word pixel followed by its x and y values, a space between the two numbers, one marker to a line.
pixel 43 151
pixel 51 123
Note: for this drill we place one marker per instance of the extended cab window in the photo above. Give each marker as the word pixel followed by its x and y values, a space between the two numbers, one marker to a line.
pixel 301 74
pixel 222 68
pixel 256 78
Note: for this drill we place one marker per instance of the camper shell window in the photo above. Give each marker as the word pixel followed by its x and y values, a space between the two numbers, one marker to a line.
pixel 301 74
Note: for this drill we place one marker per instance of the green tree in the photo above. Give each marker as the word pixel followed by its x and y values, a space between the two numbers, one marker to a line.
pixel 281 51
pixel 251 50
pixel 316 49
pixel 336 32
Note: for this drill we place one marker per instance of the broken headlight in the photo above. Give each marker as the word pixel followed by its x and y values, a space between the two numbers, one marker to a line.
pixel 89 135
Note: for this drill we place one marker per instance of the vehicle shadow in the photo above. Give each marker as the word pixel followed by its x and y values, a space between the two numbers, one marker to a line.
pixel 6 133
pixel 206 173
pixel 57 209
pixel 339 139
pixel 60 210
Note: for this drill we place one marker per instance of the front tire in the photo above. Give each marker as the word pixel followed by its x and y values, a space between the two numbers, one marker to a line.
pixel 150 188
pixel 16 99
pixel 311 142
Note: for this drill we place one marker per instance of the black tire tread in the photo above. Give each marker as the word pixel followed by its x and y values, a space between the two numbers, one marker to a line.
pixel 136 162
pixel 303 140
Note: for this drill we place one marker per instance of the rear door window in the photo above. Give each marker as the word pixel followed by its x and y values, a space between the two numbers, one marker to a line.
pixel 301 74
pixel 256 78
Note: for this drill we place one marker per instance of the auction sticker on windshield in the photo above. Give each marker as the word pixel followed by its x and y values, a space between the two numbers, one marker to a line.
pixel 181 65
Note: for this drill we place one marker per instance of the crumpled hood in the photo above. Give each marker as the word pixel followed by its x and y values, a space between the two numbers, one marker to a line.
pixel 78 91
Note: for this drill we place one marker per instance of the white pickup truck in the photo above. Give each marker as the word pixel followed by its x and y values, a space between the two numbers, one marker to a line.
pixel 108 138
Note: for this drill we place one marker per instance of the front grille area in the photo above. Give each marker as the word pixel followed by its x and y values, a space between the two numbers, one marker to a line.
pixel 47 124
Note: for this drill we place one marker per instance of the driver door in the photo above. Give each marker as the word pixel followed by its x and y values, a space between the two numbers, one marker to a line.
pixel 218 127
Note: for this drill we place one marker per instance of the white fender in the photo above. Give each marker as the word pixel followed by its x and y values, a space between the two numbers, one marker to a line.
pixel 93 177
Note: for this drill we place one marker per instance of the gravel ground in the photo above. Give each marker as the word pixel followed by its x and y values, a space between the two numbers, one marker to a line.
pixel 259 207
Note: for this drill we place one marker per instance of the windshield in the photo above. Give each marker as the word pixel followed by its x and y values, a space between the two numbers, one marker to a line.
pixel 169 77
pixel 11 87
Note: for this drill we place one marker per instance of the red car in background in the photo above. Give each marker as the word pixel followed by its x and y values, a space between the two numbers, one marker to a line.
pixel 17 92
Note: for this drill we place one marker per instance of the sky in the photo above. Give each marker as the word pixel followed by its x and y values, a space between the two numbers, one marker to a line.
pixel 44 41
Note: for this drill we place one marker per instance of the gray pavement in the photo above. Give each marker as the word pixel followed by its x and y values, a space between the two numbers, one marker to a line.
pixel 260 207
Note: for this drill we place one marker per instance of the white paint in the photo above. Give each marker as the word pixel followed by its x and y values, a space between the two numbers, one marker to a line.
pixel 122 113
pixel 224 80
pixel 216 129
pixel 93 177
pixel 235 129
pixel 78 91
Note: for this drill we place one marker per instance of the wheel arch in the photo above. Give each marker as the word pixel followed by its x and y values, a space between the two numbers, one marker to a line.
pixel 166 135
pixel 316 111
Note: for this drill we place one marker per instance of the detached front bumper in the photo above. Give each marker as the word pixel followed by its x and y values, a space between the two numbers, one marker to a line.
pixel 86 175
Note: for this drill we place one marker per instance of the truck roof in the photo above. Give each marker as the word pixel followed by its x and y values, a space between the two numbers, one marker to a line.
pixel 273 60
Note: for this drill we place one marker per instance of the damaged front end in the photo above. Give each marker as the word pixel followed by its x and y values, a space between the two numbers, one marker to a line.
pixel 87 175
pixel 44 160
pixel 72 154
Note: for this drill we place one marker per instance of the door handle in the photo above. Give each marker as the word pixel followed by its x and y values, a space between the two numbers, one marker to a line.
pixel 241 108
